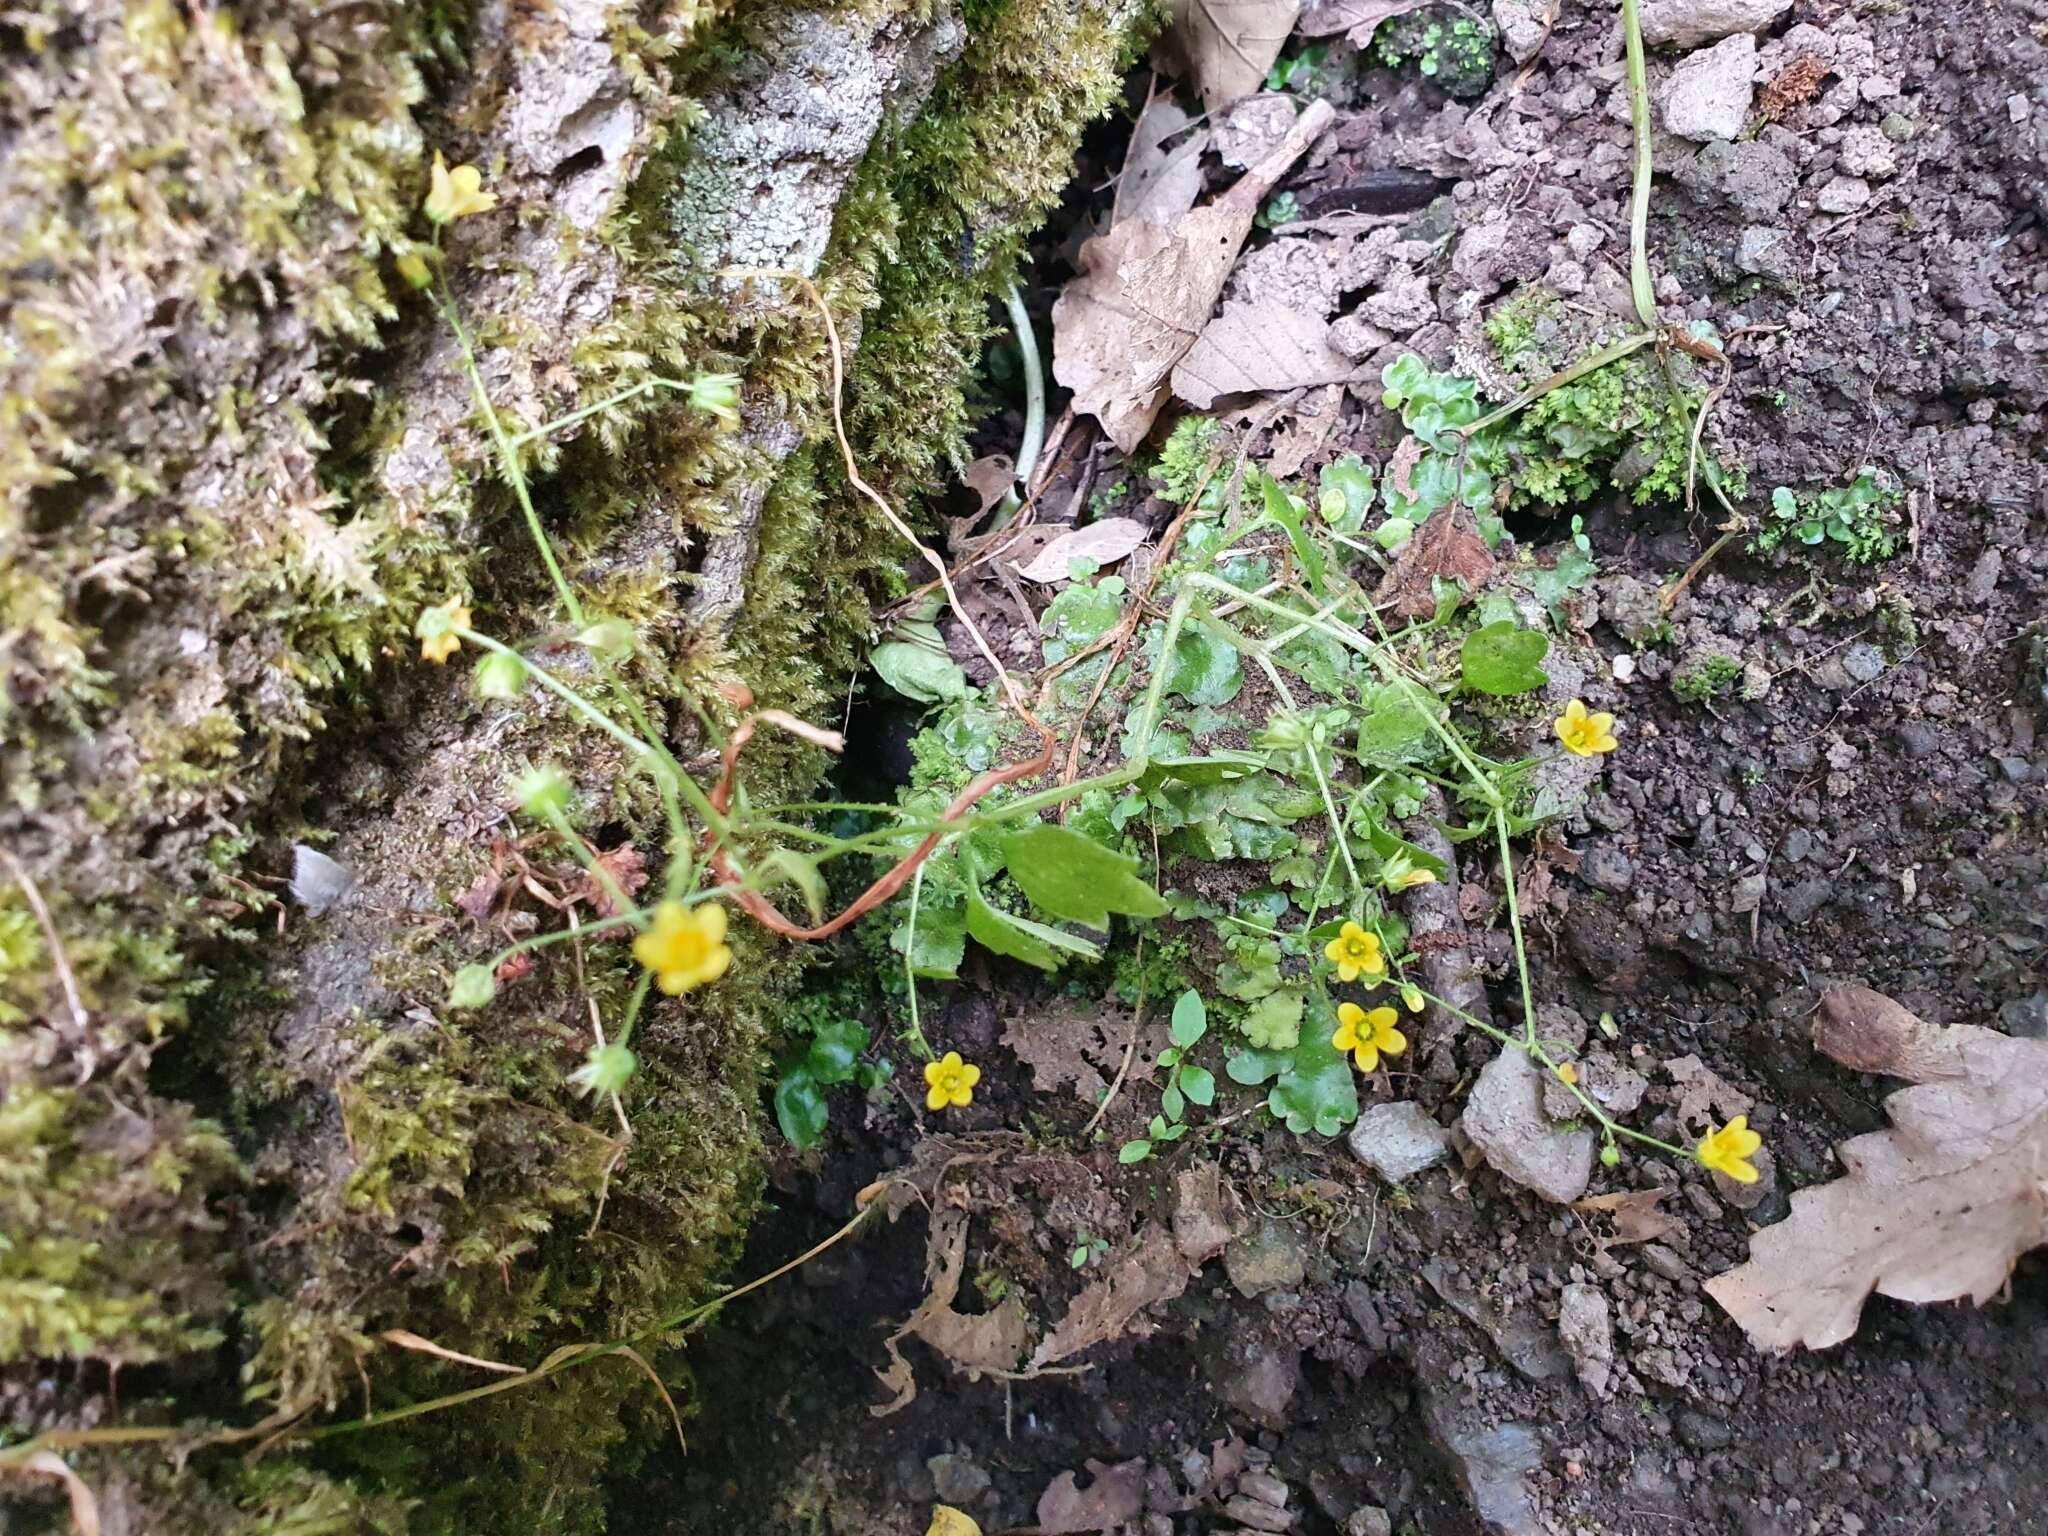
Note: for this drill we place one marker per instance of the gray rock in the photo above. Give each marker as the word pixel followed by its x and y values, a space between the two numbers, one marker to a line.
pixel 1587 1329
pixel 1264 1487
pixel 1766 252
pixel 1615 1088
pixel 1702 1432
pixel 1747 894
pixel 1504 1118
pixel 1689 23
pixel 1399 1140
pixel 1919 739
pixel 956 1479
pixel 1267 1257
pixel 1256 1516
pixel 1866 151
pixel 1493 1464
pixel 1404 305
pixel 1982 581
pixel 1806 898
pixel 1256 1376
pixel 1843 194
pixel 1372 1520
pixel 1863 661
pixel 2027 1016
pixel 1523 1342
pixel 1252 129
pixel 1357 337
pixel 1523 25
pixel 1606 868
pixel 1759 179
pixel 1709 93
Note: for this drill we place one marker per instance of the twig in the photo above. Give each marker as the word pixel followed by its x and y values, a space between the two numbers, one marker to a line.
pixel 58 959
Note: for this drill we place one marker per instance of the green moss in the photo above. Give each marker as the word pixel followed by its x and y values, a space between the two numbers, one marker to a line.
pixel 1706 678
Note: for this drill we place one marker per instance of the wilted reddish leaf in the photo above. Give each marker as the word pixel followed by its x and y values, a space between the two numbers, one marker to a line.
pixel 516 967
pixel 1448 545
pixel 478 902
pixel 1939 1206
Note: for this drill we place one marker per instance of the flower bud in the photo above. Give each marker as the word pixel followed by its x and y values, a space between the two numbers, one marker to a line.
pixel 606 1070
pixel 717 394
pixel 1610 1156
pixel 542 793
pixel 500 675
pixel 608 637
pixel 473 987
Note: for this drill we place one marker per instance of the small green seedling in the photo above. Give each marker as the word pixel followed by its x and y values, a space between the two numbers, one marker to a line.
pixel 1185 1085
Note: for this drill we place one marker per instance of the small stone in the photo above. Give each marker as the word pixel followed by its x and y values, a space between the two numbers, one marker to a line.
pixel 1268 1257
pixel 1357 337
pixel 1919 739
pixel 1982 581
pixel 1843 194
pixel 956 1479
pixel 1253 128
pixel 1689 23
pixel 1583 1323
pixel 1866 152
pixel 1504 1118
pixel 1369 1521
pixel 1493 1462
pixel 1864 662
pixel 1747 894
pixel 1264 1487
pixel 1806 898
pixel 1399 1140
pixel 1702 1432
pixel 1758 179
pixel 1257 1516
pixel 2026 1016
pixel 1404 306
pixel 1523 25
pixel 1606 868
pixel 1798 844
pixel 1765 252
pixel 1708 95
pixel 1256 1376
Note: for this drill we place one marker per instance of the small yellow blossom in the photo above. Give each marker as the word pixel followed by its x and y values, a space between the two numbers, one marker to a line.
pixel 1568 1074
pixel 454 194
pixel 1354 950
pixel 1401 873
pixel 1368 1036
pixel 686 946
pixel 436 630
pixel 1729 1149
pixel 1585 735
pixel 949 1081
pixel 1411 995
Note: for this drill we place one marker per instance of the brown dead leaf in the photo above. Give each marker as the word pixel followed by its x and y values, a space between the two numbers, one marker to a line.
pixel 1114 1497
pixel 1310 427
pixel 991 479
pixel 628 868
pixel 1224 47
pixel 1080 1042
pixel 1144 294
pixel 1158 184
pixel 1448 545
pixel 1149 1271
pixel 1939 1206
pixel 986 1341
pixel 1638 1215
pixel 1104 542
pixel 1252 348
pixel 478 902
pixel 1356 19
pixel 1206 1213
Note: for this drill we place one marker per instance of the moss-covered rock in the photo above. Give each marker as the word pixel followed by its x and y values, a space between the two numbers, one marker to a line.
pixel 241 1138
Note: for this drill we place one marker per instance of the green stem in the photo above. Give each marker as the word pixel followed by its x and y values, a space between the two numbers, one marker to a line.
pixel 1639 202
pixel 508 460
pixel 1315 763
pixel 917 1038
pixel 564 692
pixel 1507 865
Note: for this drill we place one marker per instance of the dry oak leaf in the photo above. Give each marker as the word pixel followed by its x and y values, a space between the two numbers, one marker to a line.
pixel 1104 542
pixel 1224 47
pixel 1252 348
pixel 1158 184
pixel 1144 293
pixel 1940 1206
pixel 1356 19
pixel 1113 1499
pixel 987 1341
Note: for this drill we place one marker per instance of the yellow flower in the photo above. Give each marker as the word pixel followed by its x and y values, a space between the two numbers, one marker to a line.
pixel 1354 950
pixel 1401 873
pixel 949 1080
pixel 1567 1073
pixel 1368 1036
pixel 436 630
pixel 1585 735
pixel 686 946
pixel 1729 1150
pixel 454 194
pixel 1411 995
